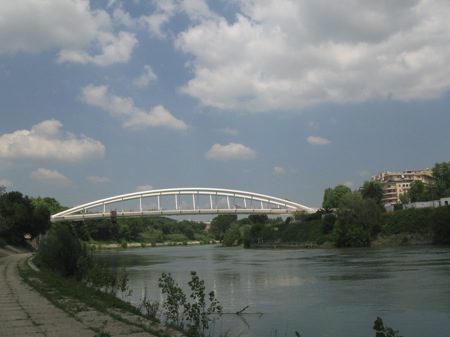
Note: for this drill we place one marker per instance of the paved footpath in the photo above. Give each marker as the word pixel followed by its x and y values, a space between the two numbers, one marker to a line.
pixel 24 312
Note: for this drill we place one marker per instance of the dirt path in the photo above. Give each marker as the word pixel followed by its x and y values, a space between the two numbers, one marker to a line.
pixel 24 312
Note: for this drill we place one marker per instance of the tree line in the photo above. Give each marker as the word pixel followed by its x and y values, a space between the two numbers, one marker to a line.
pixel 23 217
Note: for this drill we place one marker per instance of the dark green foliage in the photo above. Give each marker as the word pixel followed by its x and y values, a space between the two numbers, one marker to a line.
pixel 358 221
pixel 441 172
pixel 258 218
pixel 62 251
pixel 440 219
pixel 220 224
pixel 382 331
pixel 328 223
pixel 372 190
pixel 416 220
pixel 19 216
pixel 420 192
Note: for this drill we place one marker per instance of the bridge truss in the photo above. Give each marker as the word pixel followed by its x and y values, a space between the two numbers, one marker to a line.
pixel 181 201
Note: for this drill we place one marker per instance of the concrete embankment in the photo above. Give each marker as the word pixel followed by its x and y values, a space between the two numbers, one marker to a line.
pixel 25 312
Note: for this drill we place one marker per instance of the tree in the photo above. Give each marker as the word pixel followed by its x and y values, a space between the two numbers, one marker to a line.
pixel 221 223
pixel 63 252
pixel 333 196
pixel 258 218
pixel 372 190
pixel 357 221
pixel 232 236
pixel 418 191
pixel 22 217
pixel 52 204
pixel 441 172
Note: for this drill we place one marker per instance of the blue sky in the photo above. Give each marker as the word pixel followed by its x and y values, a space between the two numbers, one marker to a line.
pixel 277 97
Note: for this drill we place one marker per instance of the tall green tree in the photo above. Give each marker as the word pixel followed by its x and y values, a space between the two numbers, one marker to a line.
pixel 372 190
pixel 221 223
pixel 357 221
pixel 441 172
pixel 22 217
pixel 332 196
pixel 418 191
pixel 52 204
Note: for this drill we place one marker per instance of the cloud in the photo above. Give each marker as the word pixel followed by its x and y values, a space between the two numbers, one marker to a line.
pixel 232 132
pixel 155 22
pixel 231 151
pixel 50 177
pixel 6 183
pixel 279 170
pixel 47 141
pixel 124 109
pixel 363 173
pixel 34 26
pixel 113 49
pixel 314 140
pixel 142 188
pixel 147 77
pixel 98 180
pixel 283 54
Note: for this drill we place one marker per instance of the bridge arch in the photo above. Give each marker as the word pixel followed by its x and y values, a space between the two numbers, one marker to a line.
pixel 181 201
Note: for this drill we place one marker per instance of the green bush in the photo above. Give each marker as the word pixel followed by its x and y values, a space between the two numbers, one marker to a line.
pixel 63 252
pixel 441 225
pixel 407 221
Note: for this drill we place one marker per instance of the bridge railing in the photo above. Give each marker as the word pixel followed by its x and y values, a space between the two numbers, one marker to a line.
pixel 182 201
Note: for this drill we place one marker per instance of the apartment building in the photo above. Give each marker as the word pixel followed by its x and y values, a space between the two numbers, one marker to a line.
pixel 396 183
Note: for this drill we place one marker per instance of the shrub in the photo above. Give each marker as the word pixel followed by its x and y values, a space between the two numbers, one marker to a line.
pixel 195 316
pixel 63 252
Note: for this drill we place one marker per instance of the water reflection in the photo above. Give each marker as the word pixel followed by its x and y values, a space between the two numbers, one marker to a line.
pixel 319 292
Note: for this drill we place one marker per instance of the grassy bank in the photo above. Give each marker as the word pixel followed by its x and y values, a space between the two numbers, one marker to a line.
pixel 77 299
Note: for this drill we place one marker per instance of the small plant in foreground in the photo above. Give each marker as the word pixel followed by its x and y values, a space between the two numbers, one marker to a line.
pixel 382 331
pixel 195 316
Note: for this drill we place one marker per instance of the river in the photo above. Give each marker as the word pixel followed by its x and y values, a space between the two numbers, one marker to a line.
pixel 317 292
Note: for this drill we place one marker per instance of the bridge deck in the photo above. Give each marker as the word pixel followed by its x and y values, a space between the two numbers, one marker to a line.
pixel 181 201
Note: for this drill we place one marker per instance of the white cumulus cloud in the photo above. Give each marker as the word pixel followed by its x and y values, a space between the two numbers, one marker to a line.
pixel 283 54
pixel 50 177
pixel 47 141
pixel 314 140
pixel 231 151
pixel 146 77
pixel 125 109
pixel 279 170
pixel 142 188
pixel 81 34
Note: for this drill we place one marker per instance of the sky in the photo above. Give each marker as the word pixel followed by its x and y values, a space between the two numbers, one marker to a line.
pixel 278 97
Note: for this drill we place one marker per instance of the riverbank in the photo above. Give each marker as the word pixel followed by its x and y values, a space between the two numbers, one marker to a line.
pixel 393 240
pixel 46 304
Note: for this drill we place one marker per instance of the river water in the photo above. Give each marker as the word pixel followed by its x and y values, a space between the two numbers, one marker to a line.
pixel 317 292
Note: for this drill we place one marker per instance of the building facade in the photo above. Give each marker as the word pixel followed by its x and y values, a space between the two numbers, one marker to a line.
pixel 397 183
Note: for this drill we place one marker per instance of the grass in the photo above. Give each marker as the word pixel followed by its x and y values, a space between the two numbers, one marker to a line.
pixel 73 297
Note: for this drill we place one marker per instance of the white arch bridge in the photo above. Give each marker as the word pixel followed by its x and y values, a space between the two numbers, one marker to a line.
pixel 181 201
